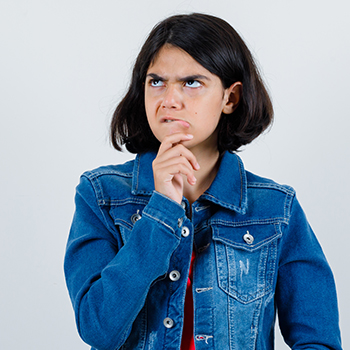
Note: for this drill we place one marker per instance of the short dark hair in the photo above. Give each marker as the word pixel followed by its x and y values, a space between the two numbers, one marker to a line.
pixel 214 44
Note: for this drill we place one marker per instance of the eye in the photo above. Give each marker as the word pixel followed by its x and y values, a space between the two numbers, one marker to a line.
pixel 193 84
pixel 156 83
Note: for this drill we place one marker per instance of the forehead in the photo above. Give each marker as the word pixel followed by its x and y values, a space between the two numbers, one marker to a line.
pixel 173 60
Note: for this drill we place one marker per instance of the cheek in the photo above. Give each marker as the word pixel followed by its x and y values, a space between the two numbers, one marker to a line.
pixel 152 104
pixel 212 104
pixel 149 112
pixel 150 109
pixel 210 112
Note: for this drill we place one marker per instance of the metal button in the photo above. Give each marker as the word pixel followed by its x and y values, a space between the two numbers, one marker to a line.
pixel 183 204
pixel 174 275
pixel 179 222
pixel 168 322
pixel 248 238
pixel 185 231
pixel 135 217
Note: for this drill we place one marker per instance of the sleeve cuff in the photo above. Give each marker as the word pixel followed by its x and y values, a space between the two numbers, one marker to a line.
pixel 165 210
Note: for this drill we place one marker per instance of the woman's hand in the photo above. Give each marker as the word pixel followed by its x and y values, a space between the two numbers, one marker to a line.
pixel 172 162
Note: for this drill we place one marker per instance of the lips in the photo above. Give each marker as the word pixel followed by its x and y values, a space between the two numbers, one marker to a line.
pixel 177 121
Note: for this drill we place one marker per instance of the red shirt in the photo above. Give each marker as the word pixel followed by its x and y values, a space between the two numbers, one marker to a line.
pixel 187 342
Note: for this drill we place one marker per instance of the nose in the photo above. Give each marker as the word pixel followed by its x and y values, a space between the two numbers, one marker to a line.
pixel 172 98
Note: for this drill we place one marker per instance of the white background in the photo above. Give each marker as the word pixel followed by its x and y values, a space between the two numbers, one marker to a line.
pixel 64 66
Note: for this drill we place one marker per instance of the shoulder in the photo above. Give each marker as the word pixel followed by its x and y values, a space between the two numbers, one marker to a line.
pixel 258 182
pixel 109 183
pixel 124 170
pixel 267 197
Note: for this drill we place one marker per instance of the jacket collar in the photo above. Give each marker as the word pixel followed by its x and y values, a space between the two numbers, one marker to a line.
pixel 229 188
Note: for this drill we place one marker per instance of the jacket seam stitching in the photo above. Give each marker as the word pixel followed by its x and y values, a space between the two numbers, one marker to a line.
pixel 119 202
pixel 287 206
pixel 283 188
pixel 97 201
pixel 160 221
pixel 249 222
pixel 243 183
pixel 95 174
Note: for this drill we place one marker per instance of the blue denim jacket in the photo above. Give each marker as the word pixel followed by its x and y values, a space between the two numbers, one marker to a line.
pixel 129 251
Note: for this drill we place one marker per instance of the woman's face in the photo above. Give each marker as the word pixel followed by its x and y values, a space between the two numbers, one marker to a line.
pixel 183 96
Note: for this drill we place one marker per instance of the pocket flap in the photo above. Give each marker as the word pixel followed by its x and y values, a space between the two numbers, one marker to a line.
pixel 250 237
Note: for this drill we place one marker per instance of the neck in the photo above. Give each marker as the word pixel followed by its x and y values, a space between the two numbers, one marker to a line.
pixel 209 165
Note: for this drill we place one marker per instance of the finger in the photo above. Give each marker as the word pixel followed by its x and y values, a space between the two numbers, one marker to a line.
pixel 170 140
pixel 165 170
pixel 183 151
pixel 179 150
pixel 166 173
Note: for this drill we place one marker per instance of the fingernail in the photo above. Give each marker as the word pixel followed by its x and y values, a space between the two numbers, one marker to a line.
pixel 189 136
pixel 197 166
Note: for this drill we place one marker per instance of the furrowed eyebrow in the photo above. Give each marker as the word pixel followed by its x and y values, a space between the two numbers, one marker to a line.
pixel 186 79
pixel 155 76
pixel 194 77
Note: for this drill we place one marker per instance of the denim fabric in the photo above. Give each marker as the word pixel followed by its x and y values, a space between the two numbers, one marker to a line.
pixel 255 254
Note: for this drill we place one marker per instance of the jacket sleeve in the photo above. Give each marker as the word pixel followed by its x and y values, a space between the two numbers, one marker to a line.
pixel 305 294
pixel 107 285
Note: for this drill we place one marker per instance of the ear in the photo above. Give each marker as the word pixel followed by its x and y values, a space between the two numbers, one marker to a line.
pixel 232 97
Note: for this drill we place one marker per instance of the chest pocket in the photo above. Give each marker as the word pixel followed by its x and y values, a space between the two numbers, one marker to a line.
pixel 246 260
